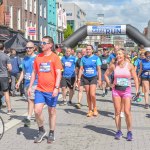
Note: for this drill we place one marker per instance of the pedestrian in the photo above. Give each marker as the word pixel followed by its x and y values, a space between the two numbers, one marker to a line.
pixel 47 66
pixel 14 73
pixel 27 68
pixel 121 90
pixel 81 86
pixel 90 66
pixel 144 73
pixel 68 76
pixel 5 67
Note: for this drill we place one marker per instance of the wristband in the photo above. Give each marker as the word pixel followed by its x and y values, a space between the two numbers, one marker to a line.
pixel 56 87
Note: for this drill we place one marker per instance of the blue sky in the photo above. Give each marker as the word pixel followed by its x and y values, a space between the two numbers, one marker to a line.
pixel 134 12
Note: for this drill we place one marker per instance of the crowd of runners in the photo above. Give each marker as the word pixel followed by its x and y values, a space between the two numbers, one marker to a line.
pixel 41 77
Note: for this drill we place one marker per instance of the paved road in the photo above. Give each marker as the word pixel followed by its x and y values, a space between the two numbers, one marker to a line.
pixel 77 132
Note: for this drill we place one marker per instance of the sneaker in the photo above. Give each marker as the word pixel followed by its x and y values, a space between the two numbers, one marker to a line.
pixel 51 138
pixel 103 95
pixel 27 122
pixel 118 135
pixel 122 114
pixel 129 136
pixel 78 106
pixel 95 112
pixel 62 103
pixel 146 106
pixel 9 112
pixel 40 137
pixel 70 103
pixel 106 91
pixel 24 97
pixel 90 114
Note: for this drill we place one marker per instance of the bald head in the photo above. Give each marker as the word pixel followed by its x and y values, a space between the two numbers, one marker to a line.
pixel 30 44
pixel 30 47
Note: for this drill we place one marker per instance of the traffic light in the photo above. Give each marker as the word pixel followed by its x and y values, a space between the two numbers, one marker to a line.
pixel 1 2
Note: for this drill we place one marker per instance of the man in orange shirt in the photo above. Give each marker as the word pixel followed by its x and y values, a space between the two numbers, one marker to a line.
pixel 47 66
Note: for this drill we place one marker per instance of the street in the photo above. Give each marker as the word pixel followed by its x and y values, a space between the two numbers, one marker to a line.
pixel 74 131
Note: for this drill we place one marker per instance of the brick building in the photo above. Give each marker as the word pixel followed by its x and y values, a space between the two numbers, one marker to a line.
pixel 10 12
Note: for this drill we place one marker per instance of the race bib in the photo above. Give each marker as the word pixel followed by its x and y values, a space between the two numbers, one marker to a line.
pixel 27 76
pixel 68 64
pixel 104 61
pixel 45 67
pixel 122 81
pixel 89 71
pixel 147 73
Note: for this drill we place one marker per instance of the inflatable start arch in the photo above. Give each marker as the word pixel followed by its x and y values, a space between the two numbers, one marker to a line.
pixel 85 31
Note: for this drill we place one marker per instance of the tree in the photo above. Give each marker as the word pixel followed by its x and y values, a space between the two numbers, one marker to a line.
pixel 68 31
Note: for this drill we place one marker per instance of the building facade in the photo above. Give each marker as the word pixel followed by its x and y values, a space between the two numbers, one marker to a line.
pixel 51 19
pixel 42 18
pixel 11 14
pixel 76 17
pixel 30 18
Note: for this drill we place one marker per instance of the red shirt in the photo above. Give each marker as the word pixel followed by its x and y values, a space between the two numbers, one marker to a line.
pixel 45 67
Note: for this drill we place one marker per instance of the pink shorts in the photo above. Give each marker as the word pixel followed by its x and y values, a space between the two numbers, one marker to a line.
pixel 122 94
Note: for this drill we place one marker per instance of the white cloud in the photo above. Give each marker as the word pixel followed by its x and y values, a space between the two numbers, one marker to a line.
pixel 134 12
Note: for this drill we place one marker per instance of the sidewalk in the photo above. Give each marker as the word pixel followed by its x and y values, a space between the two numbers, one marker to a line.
pixel 77 132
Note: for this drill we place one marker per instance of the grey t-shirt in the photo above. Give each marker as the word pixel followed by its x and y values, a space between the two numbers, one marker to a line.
pixel 4 60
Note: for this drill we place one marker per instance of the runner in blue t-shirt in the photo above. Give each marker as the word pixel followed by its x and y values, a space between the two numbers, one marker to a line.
pixel 68 76
pixel 137 69
pixel 27 67
pixel 145 76
pixel 90 66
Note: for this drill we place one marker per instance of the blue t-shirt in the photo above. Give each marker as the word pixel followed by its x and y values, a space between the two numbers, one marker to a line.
pixel 15 62
pixel 90 65
pixel 111 57
pixel 137 63
pixel 69 64
pixel 27 66
pixel 145 69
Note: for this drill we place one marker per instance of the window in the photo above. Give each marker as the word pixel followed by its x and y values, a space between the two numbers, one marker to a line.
pixel 40 10
pixel 19 19
pixel 11 16
pixel 45 31
pixel 41 35
pixel 44 11
pixel 30 23
pixel 26 29
pixel 34 6
pixel 30 5
pixel 26 4
pixel 35 34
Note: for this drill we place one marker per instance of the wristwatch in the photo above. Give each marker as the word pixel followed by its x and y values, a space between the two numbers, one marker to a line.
pixel 56 87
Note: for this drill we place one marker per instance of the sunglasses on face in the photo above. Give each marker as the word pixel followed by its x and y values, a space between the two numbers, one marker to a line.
pixel 28 48
pixel 43 43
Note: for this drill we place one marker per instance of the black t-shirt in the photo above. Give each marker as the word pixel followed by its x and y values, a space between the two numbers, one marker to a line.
pixel 104 60
pixel 78 63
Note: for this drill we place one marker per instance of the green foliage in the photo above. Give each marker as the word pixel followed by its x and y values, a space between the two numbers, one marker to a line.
pixel 68 31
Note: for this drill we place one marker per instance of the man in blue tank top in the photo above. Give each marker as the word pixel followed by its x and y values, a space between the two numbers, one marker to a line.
pixel 68 75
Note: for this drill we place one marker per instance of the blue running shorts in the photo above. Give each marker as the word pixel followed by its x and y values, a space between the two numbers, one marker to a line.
pixel 45 98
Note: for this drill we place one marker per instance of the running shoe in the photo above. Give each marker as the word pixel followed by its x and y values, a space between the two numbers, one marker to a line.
pixel 129 136
pixel 78 106
pixel 90 114
pixel 62 103
pixel 69 103
pixel 39 138
pixel 122 114
pixel 106 91
pixel 118 135
pixel 103 95
pixel 51 138
pixel 10 112
pixel 146 106
pixel 27 122
pixel 95 112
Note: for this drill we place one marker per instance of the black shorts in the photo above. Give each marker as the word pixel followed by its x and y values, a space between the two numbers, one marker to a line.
pixel 145 79
pixel 67 82
pixel 89 81
pixel 4 84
